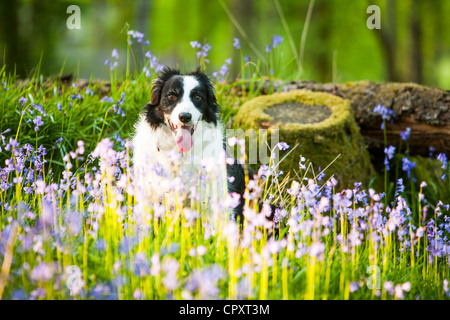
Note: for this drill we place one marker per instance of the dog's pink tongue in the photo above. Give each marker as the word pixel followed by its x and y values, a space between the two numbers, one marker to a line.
pixel 184 139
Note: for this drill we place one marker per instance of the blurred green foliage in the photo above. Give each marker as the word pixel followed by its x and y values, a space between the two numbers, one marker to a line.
pixel 412 44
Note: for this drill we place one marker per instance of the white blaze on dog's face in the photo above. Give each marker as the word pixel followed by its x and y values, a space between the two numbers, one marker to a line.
pixel 185 116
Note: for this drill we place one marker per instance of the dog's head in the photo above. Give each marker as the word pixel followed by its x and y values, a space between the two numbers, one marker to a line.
pixel 180 102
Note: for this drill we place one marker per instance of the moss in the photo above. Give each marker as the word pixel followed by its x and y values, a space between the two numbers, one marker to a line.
pixel 319 142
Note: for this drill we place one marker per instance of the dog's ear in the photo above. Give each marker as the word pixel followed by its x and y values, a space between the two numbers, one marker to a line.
pixel 213 107
pixel 212 101
pixel 158 85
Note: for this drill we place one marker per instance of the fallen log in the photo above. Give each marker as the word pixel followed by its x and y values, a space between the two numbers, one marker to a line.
pixel 424 109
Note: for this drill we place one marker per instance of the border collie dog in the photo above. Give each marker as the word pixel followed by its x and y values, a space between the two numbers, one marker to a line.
pixel 180 136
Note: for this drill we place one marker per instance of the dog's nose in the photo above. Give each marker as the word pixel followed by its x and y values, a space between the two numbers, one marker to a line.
pixel 185 117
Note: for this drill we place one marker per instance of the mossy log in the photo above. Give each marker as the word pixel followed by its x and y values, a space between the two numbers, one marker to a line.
pixel 424 109
pixel 321 124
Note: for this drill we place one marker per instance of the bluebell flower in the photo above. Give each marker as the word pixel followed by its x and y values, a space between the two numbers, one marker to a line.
pixel 389 151
pixel 223 71
pixel 442 157
pixel 23 100
pixel 408 166
pixel 195 44
pixel 236 43
pixel 107 99
pixel 122 99
pixel 385 113
pixel 38 122
pixel 276 40
pixel 321 176
pixel 246 58
pixel 432 150
pixel 228 61
pixel 159 68
pixel 146 71
pixel 135 35
pixel 89 91
pixel 268 48
pixel 400 186
pixel 115 54
pixel 40 109
pixel 283 146
pixel 405 134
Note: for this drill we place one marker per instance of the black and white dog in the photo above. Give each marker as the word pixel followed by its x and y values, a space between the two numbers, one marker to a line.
pixel 180 134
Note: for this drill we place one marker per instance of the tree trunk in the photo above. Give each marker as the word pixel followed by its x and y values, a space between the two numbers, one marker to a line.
pixel 416 43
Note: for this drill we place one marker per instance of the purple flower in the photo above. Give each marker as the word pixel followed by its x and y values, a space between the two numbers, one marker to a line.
pixel 223 71
pixel 114 65
pixel 43 272
pixel 228 61
pixel 385 113
pixel 135 35
pixel 206 47
pixel 40 109
pixel 432 149
pixel 159 68
pixel 408 166
pixel 236 43
pixel 146 71
pixel 246 58
pixel 89 91
pixel 107 99
pixel 195 44
pixel 203 53
pixel 115 54
pixel 268 48
pixel 23 100
pixel 400 186
pixel 38 122
pixel 205 281
pixel 276 40
pixel 283 146
pixel 389 151
pixel 442 157
pixel 405 134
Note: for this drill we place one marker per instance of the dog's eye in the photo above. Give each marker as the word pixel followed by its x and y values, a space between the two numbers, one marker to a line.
pixel 197 97
pixel 171 97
